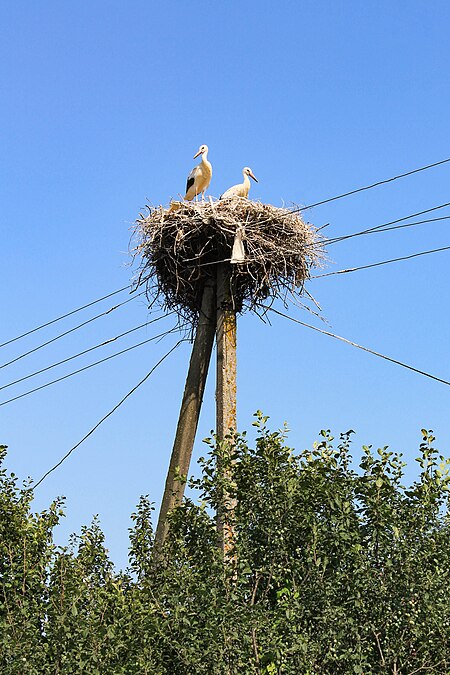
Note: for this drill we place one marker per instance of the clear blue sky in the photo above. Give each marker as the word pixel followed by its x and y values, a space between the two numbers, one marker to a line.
pixel 104 105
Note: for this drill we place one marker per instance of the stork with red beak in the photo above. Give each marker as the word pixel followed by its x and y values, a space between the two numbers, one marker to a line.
pixel 242 189
pixel 200 177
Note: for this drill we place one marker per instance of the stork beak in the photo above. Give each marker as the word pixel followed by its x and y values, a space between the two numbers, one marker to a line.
pixel 254 177
pixel 198 153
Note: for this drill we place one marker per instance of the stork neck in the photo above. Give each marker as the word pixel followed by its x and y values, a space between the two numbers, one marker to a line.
pixel 247 181
pixel 205 157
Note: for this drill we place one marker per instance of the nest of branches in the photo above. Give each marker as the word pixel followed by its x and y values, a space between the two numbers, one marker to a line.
pixel 181 247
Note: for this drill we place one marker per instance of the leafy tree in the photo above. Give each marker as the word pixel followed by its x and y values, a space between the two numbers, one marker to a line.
pixel 26 553
pixel 332 570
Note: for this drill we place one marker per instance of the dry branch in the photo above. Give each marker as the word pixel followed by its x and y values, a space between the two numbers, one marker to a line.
pixel 180 248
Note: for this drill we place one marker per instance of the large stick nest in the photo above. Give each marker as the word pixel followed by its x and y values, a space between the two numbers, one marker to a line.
pixel 180 249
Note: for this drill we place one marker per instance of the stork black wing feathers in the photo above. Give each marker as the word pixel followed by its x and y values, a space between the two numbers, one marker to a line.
pixel 190 182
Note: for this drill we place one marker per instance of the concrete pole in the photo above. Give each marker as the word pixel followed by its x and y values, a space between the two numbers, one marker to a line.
pixel 225 388
pixel 189 412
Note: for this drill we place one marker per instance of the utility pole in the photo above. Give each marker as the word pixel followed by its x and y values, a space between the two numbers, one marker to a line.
pixel 217 317
pixel 189 411
pixel 225 389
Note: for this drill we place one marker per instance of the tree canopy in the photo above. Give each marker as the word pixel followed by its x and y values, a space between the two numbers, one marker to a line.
pixel 335 569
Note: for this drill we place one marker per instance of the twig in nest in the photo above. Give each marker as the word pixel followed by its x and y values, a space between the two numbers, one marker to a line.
pixel 181 247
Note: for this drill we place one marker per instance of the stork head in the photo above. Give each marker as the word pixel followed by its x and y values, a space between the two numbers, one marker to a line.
pixel 201 151
pixel 248 172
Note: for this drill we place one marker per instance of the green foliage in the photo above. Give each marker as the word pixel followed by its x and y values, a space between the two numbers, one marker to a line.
pixel 333 570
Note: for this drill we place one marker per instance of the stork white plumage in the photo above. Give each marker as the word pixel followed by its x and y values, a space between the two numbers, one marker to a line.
pixel 242 189
pixel 200 177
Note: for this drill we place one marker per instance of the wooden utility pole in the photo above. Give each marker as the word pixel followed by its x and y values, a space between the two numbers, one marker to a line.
pixel 225 387
pixel 189 412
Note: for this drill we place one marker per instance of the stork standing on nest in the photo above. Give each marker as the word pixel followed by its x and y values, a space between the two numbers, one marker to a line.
pixel 242 189
pixel 200 177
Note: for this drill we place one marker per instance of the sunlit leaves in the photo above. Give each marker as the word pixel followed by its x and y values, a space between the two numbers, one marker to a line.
pixel 335 569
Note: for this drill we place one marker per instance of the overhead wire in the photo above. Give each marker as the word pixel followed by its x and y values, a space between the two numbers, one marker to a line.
pixel 85 351
pixel 386 226
pixel 105 417
pixel 391 225
pixel 64 316
pixel 399 227
pixel 71 330
pixel 91 365
pixel 355 344
pixel 383 227
pixel 378 264
pixel 303 208
pixel 373 185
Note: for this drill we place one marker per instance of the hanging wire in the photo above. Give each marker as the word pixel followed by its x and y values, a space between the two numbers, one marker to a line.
pixel 86 351
pixel 384 226
pixel 71 330
pixel 382 262
pixel 91 365
pixel 373 185
pixel 111 412
pixel 64 316
pixel 354 344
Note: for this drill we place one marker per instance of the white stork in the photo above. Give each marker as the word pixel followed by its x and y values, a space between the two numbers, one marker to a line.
pixel 242 189
pixel 200 176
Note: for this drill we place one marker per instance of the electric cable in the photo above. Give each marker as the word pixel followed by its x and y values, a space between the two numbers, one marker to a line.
pixel 113 410
pixel 71 330
pixel 63 316
pixel 354 344
pixel 91 365
pixel 85 351
pixel 373 185
pixel 378 264
pixel 303 208
pixel 385 226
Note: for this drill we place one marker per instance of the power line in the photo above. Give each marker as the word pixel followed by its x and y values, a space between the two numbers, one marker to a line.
pixel 377 264
pixel 63 316
pixel 113 410
pixel 385 226
pixel 91 365
pixel 373 185
pixel 375 230
pixel 85 351
pixel 71 330
pixel 354 344
pixel 303 208
pixel 416 222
